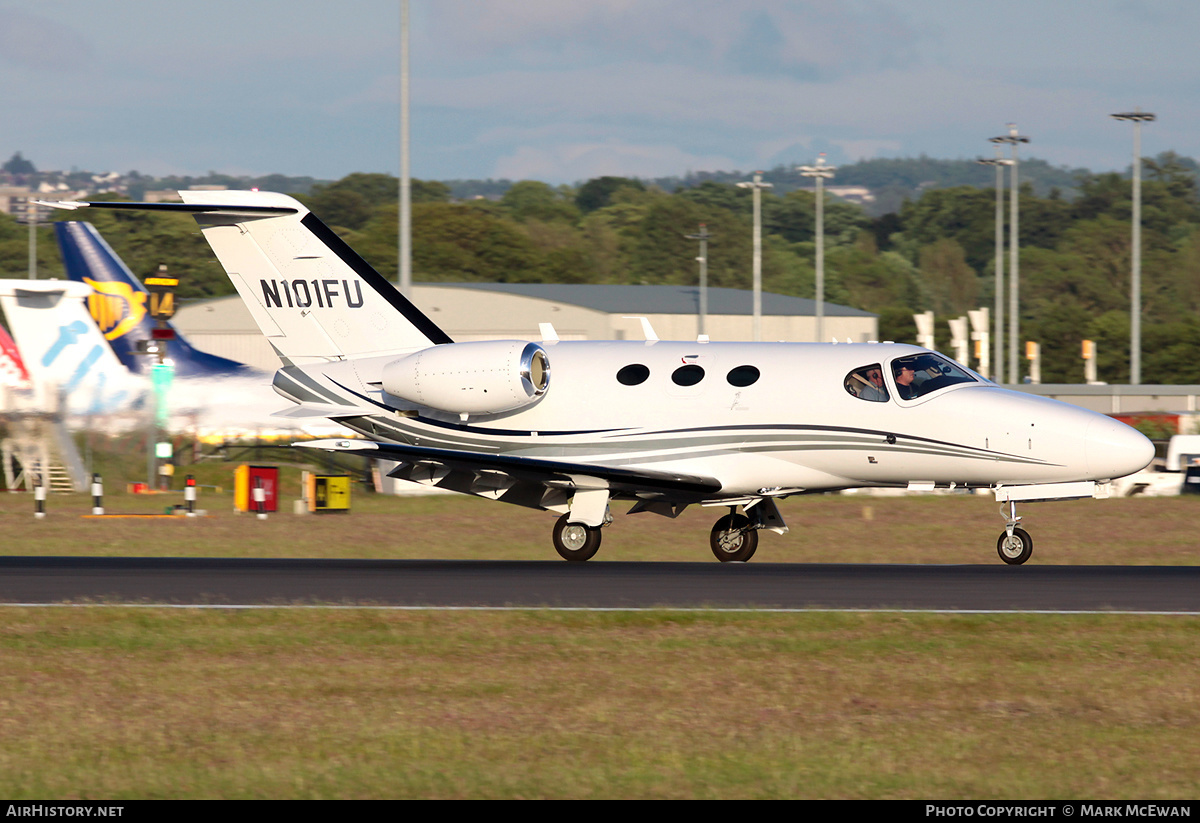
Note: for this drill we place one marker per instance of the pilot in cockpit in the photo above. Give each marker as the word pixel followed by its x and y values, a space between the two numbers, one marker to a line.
pixel 904 374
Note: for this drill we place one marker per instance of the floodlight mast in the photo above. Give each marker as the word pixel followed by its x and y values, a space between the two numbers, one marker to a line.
pixel 405 239
pixel 1137 117
pixel 757 185
pixel 703 236
pixel 998 332
pixel 31 216
pixel 1013 139
pixel 821 172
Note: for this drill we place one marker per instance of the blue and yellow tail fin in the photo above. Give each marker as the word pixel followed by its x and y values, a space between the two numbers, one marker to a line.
pixel 119 303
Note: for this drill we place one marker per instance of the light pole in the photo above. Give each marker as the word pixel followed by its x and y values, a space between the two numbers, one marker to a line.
pixel 757 185
pixel 1137 116
pixel 822 172
pixel 703 237
pixel 1014 320
pixel 31 216
pixel 998 343
pixel 405 249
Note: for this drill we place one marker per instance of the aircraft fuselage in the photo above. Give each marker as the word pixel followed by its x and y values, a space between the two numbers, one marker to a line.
pixel 760 416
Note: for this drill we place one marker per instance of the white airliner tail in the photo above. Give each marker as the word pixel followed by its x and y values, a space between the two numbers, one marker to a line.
pixel 281 258
pixel 63 348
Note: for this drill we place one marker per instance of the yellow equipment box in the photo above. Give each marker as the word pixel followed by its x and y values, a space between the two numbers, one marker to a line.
pixel 328 493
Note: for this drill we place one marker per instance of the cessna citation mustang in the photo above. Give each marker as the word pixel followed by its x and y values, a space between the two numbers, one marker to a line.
pixel 569 427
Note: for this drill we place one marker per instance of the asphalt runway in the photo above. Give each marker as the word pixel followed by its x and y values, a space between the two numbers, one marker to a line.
pixel 598 585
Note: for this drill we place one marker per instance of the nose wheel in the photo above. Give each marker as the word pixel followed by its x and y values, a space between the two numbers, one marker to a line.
pixel 1014 549
pixel 1015 546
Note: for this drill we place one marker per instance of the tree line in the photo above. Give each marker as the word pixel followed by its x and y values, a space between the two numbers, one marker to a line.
pixel 935 252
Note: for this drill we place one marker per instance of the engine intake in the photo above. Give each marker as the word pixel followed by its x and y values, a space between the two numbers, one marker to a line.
pixel 487 377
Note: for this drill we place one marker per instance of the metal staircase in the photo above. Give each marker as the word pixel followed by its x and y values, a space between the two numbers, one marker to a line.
pixel 40 446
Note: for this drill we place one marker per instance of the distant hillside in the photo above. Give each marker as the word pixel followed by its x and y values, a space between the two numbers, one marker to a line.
pixel 892 180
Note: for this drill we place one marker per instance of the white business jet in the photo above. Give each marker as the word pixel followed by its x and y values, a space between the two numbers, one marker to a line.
pixel 569 427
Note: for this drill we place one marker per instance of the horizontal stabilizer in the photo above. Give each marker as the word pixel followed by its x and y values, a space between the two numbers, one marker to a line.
pixel 184 208
pixel 54 288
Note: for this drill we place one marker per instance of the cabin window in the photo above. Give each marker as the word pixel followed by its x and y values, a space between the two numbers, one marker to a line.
pixel 742 376
pixel 633 374
pixel 920 374
pixel 866 383
pixel 688 375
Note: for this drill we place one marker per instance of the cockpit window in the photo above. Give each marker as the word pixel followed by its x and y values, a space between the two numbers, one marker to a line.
pixel 866 383
pixel 919 374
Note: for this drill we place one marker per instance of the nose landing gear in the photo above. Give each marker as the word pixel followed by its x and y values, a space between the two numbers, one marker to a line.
pixel 1015 546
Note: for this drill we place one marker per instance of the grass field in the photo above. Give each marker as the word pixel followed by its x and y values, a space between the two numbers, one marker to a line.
pixel 135 703
pixel 824 529
pixel 128 703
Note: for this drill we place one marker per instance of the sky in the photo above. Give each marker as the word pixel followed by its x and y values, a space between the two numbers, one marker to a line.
pixel 566 90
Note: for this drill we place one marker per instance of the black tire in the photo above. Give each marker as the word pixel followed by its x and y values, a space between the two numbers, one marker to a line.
pixel 732 539
pixel 575 541
pixel 1016 550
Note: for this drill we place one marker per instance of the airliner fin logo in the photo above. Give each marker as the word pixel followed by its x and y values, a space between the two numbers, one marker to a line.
pixel 67 335
pixel 116 307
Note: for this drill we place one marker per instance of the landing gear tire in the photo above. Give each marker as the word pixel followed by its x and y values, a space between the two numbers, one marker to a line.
pixel 1015 550
pixel 575 541
pixel 732 539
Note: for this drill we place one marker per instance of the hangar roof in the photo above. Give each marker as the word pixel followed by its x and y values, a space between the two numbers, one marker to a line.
pixel 619 299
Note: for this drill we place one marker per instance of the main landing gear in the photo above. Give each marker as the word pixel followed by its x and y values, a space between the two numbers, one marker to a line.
pixel 733 538
pixel 575 541
pixel 1015 546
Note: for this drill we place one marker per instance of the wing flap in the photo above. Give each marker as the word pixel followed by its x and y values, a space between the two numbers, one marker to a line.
pixel 551 474
pixel 308 411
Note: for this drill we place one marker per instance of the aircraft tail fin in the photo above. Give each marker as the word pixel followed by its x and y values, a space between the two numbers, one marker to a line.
pixel 119 304
pixel 61 345
pixel 312 296
pixel 13 373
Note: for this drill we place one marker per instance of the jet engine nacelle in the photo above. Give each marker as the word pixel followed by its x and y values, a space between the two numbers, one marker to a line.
pixel 487 377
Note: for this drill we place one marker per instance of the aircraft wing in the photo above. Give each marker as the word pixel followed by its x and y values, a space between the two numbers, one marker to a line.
pixel 518 479
pixel 308 411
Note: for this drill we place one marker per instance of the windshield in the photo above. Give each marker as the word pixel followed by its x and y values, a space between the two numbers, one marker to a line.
pixel 920 374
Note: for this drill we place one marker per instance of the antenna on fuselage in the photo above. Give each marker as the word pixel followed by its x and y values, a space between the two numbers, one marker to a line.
pixel 647 329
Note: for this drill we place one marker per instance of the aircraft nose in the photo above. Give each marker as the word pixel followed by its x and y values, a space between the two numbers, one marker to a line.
pixel 1114 449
